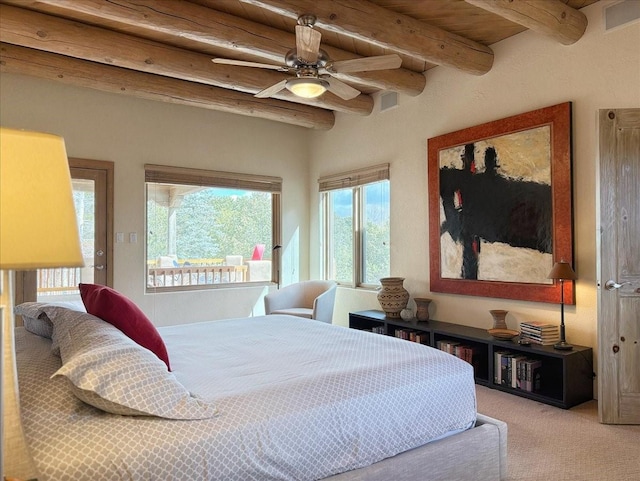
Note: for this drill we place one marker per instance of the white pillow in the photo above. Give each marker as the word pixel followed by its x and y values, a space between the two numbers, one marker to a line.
pixel 111 372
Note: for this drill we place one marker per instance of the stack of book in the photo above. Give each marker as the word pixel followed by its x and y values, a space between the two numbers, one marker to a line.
pixel 539 332
pixel 412 335
pixel 517 371
pixel 457 349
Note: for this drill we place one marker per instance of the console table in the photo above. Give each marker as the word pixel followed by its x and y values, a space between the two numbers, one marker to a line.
pixel 565 377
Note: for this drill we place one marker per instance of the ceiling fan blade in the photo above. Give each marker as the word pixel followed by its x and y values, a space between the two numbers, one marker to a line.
pixel 365 64
pixel 307 44
pixel 341 89
pixel 269 91
pixel 242 63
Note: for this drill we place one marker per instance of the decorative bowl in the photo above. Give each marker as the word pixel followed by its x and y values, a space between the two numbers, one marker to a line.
pixel 503 334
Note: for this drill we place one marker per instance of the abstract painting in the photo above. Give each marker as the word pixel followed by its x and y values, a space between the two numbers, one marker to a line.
pixel 500 207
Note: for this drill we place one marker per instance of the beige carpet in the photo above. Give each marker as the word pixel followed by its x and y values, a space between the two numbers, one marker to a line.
pixel 548 443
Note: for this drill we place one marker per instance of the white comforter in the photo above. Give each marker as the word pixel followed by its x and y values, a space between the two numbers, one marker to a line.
pixel 298 400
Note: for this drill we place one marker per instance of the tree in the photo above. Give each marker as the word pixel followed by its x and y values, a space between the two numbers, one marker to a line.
pixel 212 223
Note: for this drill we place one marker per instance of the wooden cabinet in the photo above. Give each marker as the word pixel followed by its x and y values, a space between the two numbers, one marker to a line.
pixel 565 377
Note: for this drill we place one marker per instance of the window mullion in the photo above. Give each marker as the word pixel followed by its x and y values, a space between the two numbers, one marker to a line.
pixel 357 237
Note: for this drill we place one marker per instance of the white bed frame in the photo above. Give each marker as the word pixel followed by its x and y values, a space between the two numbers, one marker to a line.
pixel 478 454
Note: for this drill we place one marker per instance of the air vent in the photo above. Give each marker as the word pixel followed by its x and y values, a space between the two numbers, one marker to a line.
pixel 388 100
pixel 621 13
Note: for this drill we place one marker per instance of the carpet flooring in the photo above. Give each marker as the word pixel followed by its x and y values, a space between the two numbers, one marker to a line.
pixel 549 443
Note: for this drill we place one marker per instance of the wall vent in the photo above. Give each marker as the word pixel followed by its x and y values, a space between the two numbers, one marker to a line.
pixel 621 13
pixel 388 100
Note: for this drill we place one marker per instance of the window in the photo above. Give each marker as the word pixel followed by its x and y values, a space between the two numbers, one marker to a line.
pixel 205 229
pixel 355 226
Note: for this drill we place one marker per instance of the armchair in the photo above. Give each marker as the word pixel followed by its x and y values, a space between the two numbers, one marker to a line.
pixel 310 299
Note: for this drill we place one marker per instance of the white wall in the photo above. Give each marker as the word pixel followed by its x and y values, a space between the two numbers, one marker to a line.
pixel 131 132
pixel 602 70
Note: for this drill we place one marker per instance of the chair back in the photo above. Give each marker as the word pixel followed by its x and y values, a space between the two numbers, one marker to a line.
pixel 317 297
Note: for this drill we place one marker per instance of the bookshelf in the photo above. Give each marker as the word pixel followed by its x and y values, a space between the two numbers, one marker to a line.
pixel 565 377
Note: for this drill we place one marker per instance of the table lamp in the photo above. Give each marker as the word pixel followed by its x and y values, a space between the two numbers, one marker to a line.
pixel 562 271
pixel 38 229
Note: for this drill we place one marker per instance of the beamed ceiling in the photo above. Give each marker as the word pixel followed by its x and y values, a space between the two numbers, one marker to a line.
pixel 162 49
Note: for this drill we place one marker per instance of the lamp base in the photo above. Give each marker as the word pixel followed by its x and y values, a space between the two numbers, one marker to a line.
pixel 563 346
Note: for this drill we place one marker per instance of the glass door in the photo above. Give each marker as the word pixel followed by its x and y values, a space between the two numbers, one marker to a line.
pixel 92 183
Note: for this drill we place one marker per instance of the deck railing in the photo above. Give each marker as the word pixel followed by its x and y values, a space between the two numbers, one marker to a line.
pixel 65 280
pixel 195 275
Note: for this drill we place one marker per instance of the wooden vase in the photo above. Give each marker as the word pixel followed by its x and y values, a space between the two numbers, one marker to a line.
pixel 499 316
pixel 392 296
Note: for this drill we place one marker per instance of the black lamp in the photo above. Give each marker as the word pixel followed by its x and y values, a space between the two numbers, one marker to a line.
pixel 562 271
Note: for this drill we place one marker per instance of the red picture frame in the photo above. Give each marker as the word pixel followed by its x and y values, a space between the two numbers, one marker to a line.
pixel 481 216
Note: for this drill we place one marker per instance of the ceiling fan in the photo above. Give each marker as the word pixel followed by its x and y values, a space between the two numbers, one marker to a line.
pixel 313 67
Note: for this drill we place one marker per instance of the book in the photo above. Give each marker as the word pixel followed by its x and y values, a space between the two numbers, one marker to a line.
pixel 546 334
pixel 541 337
pixel 543 342
pixel 538 326
pixel 505 378
pixel 515 365
pixel 447 346
pixel 464 352
pixel 536 376
pixel 423 338
pixel 532 375
pixel 497 366
pixel 520 377
pixel 537 336
pixel 537 331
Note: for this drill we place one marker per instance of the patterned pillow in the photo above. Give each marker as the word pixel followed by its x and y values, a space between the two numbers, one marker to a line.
pixel 116 309
pixel 36 320
pixel 111 372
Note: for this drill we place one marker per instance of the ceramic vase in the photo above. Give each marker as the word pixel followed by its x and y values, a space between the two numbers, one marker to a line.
pixel 392 296
pixel 499 316
pixel 422 308
pixel 407 314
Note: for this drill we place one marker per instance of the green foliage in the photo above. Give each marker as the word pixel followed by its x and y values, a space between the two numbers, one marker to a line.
pixel 343 248
pixel 157 230
pixel 212 223
pixel 84 202
pixel 374 235
pixel 376 254
pixel 245 222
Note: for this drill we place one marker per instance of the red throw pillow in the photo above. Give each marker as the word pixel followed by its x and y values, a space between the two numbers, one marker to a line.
pixel 116 309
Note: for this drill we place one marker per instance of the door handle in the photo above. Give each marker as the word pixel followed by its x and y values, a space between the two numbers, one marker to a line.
pixel 610 285
pixel 99 268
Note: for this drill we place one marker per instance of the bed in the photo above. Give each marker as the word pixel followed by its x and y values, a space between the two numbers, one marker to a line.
pixel 260 398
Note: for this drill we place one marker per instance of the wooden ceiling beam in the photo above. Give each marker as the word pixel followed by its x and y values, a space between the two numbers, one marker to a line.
pixel 82 73
pixel 193 26
pixel 551 18
pixel 66 37
pixel 399 33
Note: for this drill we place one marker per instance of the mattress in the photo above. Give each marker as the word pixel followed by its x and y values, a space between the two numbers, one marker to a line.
pixel 297 400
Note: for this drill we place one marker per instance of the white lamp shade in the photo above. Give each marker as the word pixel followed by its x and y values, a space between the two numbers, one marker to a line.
pixel 38 227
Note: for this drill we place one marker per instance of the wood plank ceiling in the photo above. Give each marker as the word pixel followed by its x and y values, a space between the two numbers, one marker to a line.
pixel 162 49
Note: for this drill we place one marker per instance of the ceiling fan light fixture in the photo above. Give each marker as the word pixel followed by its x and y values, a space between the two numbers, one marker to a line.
pixel 307 88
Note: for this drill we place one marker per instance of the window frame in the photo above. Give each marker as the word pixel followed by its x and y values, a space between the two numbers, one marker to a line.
pixel 357 180
pixel 211 178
